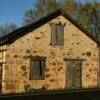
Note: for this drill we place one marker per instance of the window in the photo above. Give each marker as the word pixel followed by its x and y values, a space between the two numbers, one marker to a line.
pixel 57 34
pixel 37 66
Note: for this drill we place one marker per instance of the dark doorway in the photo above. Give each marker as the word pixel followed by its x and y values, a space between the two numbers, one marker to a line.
pixel 0 77
pixel 74 74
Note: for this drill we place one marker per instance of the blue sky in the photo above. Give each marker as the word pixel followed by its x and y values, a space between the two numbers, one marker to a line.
pixel 13 10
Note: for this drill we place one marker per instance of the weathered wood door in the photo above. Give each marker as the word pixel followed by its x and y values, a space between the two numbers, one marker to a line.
pixel 0 77
pixel 74 74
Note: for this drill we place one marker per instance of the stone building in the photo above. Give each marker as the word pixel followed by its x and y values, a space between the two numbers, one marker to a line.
pixel 52 53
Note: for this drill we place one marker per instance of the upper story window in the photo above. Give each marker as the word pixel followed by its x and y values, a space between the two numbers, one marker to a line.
pixel 37 66
pixel 57 34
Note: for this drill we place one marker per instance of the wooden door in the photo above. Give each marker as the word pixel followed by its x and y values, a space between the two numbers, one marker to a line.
pixel 74 74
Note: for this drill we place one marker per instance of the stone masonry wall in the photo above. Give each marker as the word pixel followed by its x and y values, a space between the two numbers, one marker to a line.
pixel 76 46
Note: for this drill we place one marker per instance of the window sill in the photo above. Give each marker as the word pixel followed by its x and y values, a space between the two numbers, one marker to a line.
pixel 56 45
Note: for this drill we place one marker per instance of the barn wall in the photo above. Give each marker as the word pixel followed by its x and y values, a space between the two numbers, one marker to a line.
pixel 76 46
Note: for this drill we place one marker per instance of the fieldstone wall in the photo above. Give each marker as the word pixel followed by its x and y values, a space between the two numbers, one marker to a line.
pixel 37 43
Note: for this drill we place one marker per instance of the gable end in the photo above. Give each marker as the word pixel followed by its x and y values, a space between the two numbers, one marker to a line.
pixel 24 30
